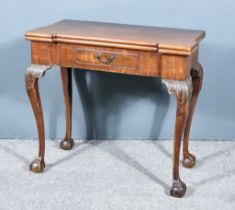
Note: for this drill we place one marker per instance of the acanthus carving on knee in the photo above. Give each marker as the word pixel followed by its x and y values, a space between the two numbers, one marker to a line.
pixel 182 89
pixel 34 72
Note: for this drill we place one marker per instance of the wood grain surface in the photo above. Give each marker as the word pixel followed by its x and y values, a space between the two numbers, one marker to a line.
pixel 166 40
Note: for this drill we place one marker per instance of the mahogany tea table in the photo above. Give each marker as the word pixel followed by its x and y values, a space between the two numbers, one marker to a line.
pixel 171 54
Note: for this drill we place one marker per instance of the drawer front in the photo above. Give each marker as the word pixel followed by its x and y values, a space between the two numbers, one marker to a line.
pixel 97 58
pixel 107 59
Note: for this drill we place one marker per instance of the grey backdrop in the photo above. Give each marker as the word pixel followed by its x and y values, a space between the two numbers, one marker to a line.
pixel 118 106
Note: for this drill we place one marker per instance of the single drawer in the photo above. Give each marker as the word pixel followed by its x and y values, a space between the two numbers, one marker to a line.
pixel 97 57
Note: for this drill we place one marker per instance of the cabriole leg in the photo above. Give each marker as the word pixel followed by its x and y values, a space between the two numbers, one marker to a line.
pixel 67 143
pixel 183 92
pixel 189 160
pixel 32 75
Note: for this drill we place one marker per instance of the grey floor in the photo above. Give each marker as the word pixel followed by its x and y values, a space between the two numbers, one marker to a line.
pixel 123 174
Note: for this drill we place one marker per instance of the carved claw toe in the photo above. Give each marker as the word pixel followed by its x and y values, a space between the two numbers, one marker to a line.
pixel 189 161
pixel 37 166
pixel 67 144
pixel 178 189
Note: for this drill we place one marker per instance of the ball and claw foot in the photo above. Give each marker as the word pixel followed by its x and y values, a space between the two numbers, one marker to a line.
pixel 37 166
pixel 178 189
pixel 189 161
pixel 67 145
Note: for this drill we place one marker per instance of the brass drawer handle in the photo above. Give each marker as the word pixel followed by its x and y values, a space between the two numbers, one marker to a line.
pixel 105 61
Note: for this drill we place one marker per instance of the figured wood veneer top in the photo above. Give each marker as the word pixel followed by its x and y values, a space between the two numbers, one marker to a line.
pixel 165 40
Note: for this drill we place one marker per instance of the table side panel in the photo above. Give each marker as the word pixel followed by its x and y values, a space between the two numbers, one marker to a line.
pixel 43 53
pixel 178 67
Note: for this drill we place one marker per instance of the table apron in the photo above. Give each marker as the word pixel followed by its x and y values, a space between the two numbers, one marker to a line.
pixel 124 61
